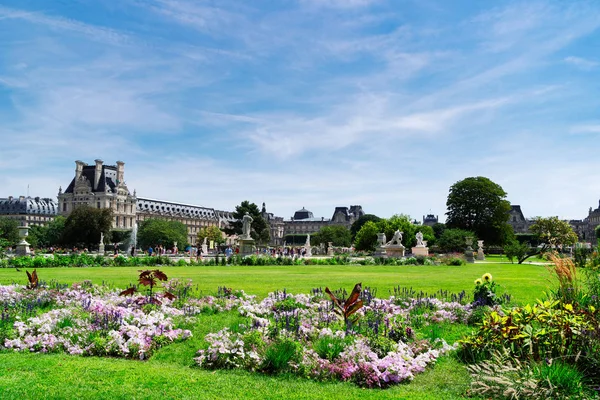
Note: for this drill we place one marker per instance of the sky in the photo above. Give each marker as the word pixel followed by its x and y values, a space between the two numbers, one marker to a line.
pixel 306 103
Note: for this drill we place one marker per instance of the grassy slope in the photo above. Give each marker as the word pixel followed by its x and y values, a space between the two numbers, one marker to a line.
pixel 524 282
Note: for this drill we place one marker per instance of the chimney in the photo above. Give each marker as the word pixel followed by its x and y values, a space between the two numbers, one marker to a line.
pixel 78 169
pixel 98 174
pixel 120 172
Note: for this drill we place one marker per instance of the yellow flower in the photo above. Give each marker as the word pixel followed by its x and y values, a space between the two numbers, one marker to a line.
pixel 477 282
pixel 487 277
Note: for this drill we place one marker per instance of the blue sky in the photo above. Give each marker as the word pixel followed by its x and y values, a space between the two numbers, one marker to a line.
pixel 314 103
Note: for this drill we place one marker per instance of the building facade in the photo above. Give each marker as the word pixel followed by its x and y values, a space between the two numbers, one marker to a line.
pixel 304 222
pixel 103 186
pixel 517 220
pixel 430 220
pixel 29 210
pixel 100 186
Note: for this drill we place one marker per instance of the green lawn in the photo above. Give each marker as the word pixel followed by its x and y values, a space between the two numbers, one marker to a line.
pixel 170 374
pixel 525 283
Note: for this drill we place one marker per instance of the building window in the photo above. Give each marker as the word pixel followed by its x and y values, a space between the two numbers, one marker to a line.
pixel 98 204
pixel 64 206
pixel 117 222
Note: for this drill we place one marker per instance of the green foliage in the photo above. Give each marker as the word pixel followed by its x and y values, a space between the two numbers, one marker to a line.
pixel 330 347
pixel 428 235
pixel 280 354
pixel 84 225
pixel 337 234
pixel 485 292
pixel 358 224
pixel 438 229
pixel 581 256
pixel 478 204
pixel 260 228
pixel 9 230
pixel 402 223
pixel 453 240
pixel 119 236
pixel 520 251
pixel 366 238
pixel 211 233
pixel 553 233
pixel 154 232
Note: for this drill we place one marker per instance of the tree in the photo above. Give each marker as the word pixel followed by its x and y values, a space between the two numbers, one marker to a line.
pixel 366 237
pixel 478 204
pixel 337 234
pixel 402 223
pixel 453 240
pixel 211 233
pixel 55 230
pixel 37 236
pixel 84 226
pixel 438 229
pixel 356 225
pixel 260 228
pixel 597 231
pixel 9 230
pixel 518 250
pixel 159 232
pixel 549 233
pixel 120 236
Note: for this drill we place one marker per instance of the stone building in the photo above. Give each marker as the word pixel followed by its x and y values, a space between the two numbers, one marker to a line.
pixel 100 186
pixel 304 222
pixel 29 210
pixel 430 220
pixel 103 186
pixel 517 220
pixel 194 217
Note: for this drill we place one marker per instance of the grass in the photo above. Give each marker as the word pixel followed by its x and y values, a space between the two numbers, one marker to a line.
pixel 170 372
pixel 525 282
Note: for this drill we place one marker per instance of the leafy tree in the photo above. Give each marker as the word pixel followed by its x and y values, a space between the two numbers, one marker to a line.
pixel 453 240
pixel 159 232
pixel 402 223
pixel 597 231
pixel 3 245
pixel 478 204
pixel 356 225
pixel 84 225
pixel 337 234
pixel 211 233
pixel 518 250
pixel 438 229
pixel 9 230
pixel 55 230
pixel 260 228
pixel 366 237
pixel 549 233
pixel 121 236
pixel 37 236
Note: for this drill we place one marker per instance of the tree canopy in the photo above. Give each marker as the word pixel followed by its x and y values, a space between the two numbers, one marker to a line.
pixel 84 225
pixel 9 230
pixel 366 237
pixel 210 233
pixel 453 240
pixel 337 234
pixel 47 235
pixel 260 228
pixel 153 232
pixel 477 204
pixel 356 225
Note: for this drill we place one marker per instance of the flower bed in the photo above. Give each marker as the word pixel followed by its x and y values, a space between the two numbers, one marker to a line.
pixel 302 334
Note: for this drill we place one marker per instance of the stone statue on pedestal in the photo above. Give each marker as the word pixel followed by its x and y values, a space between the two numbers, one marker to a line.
pixel 396 239
pixel 246 226
pixel 419 237
pixel 308 247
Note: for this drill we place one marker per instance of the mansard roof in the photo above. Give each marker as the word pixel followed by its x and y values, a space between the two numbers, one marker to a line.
pixel 28 205
pixel 303 214
pixel 107 183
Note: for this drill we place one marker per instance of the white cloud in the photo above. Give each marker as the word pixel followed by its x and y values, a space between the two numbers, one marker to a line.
pixel 582 63
pixel 588 128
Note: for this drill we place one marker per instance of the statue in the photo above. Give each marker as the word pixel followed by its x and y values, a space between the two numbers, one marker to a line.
pixel 101 237
pixel 397 239
pixel 420 239
pixel 307 243
pixel 246 226
pixel 204 241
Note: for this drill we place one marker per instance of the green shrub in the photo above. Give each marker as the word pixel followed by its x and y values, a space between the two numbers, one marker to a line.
pixel 329 347
pixel 280 354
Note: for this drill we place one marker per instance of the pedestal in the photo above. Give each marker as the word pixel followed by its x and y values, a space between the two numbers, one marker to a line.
pixel 379 252
pixel 480 255
pixel 308 251
pixel 246 246
pixel 394 250
pixel 330 250
pixel 204 249
pixel 101 249
pixel 420 251
pixel 469 256
pixel 23 248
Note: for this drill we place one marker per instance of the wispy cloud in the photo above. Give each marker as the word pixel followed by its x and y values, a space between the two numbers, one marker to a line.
pixel 582 63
